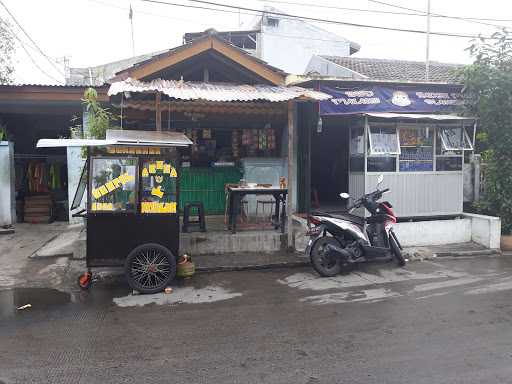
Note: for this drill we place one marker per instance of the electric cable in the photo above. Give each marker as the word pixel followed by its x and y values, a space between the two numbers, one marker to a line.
pixel 314 19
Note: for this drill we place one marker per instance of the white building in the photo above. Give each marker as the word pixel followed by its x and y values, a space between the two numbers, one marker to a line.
pixel 286 43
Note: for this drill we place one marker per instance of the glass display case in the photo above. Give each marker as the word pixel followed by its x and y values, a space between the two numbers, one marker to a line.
pixel 113 184
pixel 422 156
pixel 405 147
pixel 416 148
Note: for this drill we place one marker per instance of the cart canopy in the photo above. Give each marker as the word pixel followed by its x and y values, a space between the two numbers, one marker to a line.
pixel 123 137
pixel 149 138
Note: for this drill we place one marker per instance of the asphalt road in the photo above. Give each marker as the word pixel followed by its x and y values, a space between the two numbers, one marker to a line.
pixel 443 322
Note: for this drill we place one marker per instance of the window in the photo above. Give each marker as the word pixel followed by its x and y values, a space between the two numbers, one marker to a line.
pixel 272 21
pixel 455 138
pixel 449 163
pixel 383 146
pixel 416 148
pixel 357 149
pixel 381 164
pixel 158 187
pixel 383 140
pixel 113 184
pixel 451 142
pixel 80 190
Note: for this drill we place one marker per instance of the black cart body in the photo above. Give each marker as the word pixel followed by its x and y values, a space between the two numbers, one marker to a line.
pixel 113 232
pixel 132 213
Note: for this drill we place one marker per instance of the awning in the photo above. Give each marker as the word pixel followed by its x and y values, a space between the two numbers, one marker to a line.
pixel 417 116
pixel 52 143
pixel 187 90
pixel 123 137
pixel 163 138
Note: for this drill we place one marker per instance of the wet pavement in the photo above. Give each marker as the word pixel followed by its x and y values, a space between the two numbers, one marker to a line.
pixel 446 321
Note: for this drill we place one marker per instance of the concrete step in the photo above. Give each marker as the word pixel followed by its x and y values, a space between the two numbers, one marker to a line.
pixel 249 261
pixel 213 243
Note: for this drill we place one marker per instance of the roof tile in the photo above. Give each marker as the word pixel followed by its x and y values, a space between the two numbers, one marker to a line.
pixel 399 70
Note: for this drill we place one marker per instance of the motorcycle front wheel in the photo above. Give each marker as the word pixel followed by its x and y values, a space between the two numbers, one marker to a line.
pixel 393 243
pixel 325 265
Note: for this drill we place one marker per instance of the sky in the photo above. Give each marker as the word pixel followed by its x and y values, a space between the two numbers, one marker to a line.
pixel 93 32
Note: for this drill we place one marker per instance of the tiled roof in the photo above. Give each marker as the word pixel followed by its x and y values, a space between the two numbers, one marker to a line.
pixel 399 70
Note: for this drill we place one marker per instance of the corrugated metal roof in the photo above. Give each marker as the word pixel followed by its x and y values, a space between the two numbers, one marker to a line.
pixel 20 85
pixel 126 136
pixel 123 137
pixel 55 143
pixel 216 91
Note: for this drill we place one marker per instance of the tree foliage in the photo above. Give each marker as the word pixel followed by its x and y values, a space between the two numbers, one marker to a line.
pixel 488 83
pixel 98 118
pixel 7 48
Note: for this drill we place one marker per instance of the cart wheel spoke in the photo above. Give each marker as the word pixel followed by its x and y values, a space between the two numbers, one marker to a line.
pixel 150 267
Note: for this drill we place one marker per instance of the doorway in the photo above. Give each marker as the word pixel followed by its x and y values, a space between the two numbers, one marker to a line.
pixel 329 163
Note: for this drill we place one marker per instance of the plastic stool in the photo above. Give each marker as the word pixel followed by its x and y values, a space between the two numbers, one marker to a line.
pixel 200 213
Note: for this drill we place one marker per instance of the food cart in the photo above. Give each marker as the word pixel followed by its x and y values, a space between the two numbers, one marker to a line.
pixel 132 183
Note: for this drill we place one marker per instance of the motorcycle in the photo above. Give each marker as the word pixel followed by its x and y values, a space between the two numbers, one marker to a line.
pixel 339 241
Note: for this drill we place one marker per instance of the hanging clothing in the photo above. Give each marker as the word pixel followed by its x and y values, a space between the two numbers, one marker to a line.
pixel 54 180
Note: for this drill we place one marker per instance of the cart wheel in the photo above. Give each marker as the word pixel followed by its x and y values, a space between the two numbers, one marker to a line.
pixel 84 280
pixel 149 268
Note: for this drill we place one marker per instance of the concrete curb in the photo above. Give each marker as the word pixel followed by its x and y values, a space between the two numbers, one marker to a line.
pixel 6 231
pixel 35 256
pixel 484 252
pixel 258 267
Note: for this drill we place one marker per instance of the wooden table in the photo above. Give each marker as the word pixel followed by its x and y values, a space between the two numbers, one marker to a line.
pixel 236 194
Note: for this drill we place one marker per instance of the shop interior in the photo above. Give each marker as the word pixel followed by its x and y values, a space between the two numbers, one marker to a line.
pixel 40 174
pixel 245 142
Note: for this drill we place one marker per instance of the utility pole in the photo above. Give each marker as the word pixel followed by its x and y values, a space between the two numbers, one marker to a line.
pixel 130 15
pixel 427 61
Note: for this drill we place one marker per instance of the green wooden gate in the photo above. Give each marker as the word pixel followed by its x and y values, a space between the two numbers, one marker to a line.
pixel 207 185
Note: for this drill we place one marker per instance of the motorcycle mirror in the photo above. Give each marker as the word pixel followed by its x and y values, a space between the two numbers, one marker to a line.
pixel 380 179
pixel 344 195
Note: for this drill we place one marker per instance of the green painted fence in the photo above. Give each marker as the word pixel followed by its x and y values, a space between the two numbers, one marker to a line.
pixel 207 185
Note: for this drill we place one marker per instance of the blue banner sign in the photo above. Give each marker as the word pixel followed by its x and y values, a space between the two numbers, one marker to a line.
pixel 376 98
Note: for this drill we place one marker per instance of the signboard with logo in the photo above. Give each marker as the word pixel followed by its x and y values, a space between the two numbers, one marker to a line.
pixel 376 98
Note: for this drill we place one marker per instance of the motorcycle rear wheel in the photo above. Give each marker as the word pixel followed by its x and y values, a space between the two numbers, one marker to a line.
pixel 396 250
pixel 325 265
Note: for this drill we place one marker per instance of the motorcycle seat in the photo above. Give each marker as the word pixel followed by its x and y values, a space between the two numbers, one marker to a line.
pixel 349 217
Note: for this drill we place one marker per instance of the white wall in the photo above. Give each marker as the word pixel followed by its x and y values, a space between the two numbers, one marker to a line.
pixel 485 230
pixel 75 166
pixel 290 45
pixel 7 199
pixel 434 232
pixel 325 67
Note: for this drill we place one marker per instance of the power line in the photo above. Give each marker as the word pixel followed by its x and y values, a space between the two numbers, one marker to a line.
pixel 124 9
pixel 30 38
pixel 378 11
pixel 28 53
pixel 340 40
pixel 205 8
pixel 314 19
pixel 423 13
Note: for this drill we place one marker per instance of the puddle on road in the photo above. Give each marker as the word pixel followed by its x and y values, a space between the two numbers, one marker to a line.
pixel 180 295
pixel 38 298
pixel 368 295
